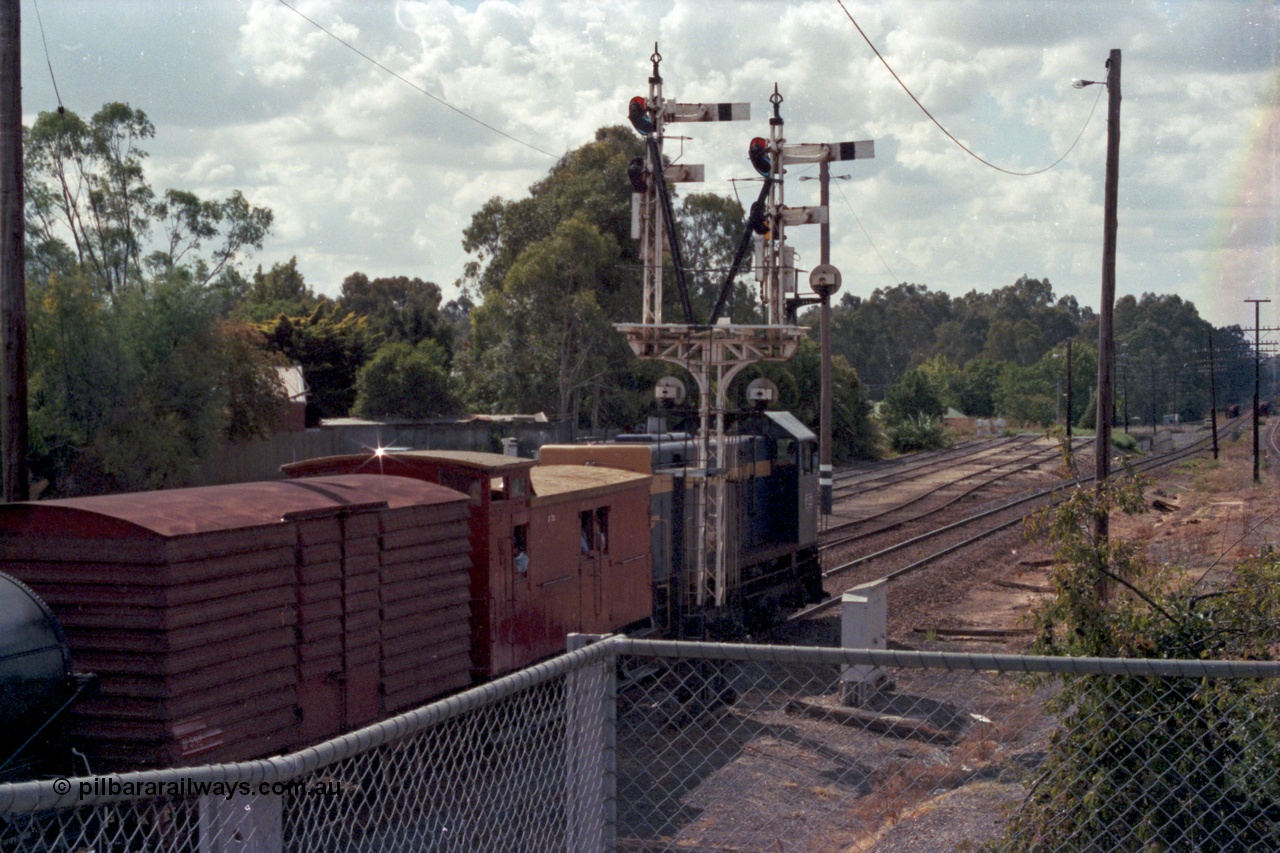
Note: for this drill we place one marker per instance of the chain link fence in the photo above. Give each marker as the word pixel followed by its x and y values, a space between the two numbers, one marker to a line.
pixel 637 745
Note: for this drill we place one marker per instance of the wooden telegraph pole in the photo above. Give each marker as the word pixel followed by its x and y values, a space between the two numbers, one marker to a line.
pixel 1257 362
pixel 1213 397
pixel 13 305
pixel 1069 400
pixel 1106 342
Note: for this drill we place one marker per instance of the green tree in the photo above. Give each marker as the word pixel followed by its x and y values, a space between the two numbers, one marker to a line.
pixel 975 389
pixel 331 346
pixel 543 336
pixel 1166 343
pixel 889 333
pixel 1140 763
pixel 189 222
pixel 515 362
pixel 399 308
pixel 133 377
pixel 403 381
pixel 280 291
pixel 946 377
pixel 912 413
pixel 130 392
pixel 912 396
pixel 583 367
pixel 88 202
pixel 711 227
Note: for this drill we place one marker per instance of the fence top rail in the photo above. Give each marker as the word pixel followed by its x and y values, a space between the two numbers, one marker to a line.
pixel 40 795
pixel 948 660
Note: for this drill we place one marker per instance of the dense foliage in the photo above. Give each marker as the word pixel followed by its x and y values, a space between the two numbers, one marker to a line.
pixel 150 344
pixel 135 373
pixel 403 381
pixel 1142 763
pixel 1003 353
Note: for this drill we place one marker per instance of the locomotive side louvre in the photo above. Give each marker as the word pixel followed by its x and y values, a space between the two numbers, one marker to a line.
pixel 231 622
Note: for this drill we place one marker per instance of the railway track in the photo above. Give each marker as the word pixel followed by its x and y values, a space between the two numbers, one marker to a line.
pixel 917 552
pixel 888 473
pixel 873 520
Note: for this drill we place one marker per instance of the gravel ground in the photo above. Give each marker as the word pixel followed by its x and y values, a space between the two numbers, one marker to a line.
pixel 766 774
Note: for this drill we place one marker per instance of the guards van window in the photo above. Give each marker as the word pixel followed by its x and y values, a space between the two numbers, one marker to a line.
pixel 595 530
pixel 602 530
pixel 520 545
pixel 588 536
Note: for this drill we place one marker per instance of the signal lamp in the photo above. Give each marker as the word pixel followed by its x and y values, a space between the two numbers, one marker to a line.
pixel 635 174
pixel 758 152
pixel 637 112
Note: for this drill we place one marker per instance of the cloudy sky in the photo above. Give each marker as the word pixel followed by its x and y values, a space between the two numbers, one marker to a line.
pixel 365 172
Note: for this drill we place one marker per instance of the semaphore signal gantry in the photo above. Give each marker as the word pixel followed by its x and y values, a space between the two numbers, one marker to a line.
pixel 714 350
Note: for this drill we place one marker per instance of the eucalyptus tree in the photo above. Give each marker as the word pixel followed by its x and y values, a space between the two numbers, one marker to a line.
pixel 135 373
pixel 88 198
pixel 551 272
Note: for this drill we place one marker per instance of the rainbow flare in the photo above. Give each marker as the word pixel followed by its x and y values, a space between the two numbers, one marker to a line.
pixel 1248 263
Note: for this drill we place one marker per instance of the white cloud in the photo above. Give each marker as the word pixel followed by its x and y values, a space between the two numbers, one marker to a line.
pixel 363 172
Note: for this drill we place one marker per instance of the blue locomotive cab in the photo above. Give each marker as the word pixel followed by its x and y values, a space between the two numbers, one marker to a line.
pixel 786 495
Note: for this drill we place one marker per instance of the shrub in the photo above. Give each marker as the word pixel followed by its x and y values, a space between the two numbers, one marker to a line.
pixel 917 433
pixel 1151 763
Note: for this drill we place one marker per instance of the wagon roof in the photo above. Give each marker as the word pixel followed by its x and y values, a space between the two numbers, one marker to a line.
pixel 489 463
pixel 553 481
pixel 179 512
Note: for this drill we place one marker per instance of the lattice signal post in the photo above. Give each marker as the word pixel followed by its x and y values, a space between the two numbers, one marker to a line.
pixel 713 351
pixel 775 264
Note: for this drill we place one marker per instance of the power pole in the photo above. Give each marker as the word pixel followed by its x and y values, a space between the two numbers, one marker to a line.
pixel 1257 360
pixel 1124 379
pixel 1106 342
pixel 1212 393
pixel 13 301
pixel 1068 397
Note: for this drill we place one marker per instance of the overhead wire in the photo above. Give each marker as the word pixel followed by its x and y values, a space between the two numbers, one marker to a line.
pixel 413 85
pixel 948 133
pixel 47 59
pixel 874 247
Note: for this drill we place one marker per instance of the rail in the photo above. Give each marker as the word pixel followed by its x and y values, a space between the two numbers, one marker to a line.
pixel 1036 496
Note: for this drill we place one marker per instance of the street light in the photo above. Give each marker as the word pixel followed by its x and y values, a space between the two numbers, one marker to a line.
pixel 1106 341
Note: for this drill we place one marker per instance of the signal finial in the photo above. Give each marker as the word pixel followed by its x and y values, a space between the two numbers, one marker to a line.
pixel 776 100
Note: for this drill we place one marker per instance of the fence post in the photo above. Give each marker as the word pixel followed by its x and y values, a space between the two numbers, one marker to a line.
pixel 590 753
